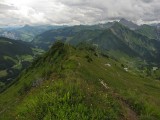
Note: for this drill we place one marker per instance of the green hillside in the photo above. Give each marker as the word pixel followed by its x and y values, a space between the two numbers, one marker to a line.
pixel 80 83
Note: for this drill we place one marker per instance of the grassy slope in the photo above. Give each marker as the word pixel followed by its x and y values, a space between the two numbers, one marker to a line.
pixel 3 73
pixel 78 84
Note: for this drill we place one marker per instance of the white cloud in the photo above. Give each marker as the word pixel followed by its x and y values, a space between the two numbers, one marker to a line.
pixel 77 11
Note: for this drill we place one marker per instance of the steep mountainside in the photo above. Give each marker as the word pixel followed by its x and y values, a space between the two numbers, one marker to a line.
pixel 151 32
pixel 145 47
pixel 80 83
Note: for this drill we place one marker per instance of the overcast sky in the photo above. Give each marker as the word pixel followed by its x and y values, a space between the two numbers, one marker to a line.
pixel 20 12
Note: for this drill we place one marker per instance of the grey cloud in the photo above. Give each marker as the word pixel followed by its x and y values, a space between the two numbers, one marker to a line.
pixel 129 9
pixel 4 7
pixel 83 11
pixel 148 1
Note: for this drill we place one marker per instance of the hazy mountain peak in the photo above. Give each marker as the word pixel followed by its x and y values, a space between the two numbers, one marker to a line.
pixel 129 24
pixel 27 26
pixel 118 25
pixel 123 19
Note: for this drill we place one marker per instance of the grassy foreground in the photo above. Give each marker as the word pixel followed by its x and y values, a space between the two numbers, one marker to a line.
pixel 80 83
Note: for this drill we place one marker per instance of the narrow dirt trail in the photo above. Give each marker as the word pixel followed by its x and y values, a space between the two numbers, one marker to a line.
pixel 128 113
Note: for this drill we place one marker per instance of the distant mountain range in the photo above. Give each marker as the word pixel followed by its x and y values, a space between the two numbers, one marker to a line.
pixel 114 36
pixel 26 33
